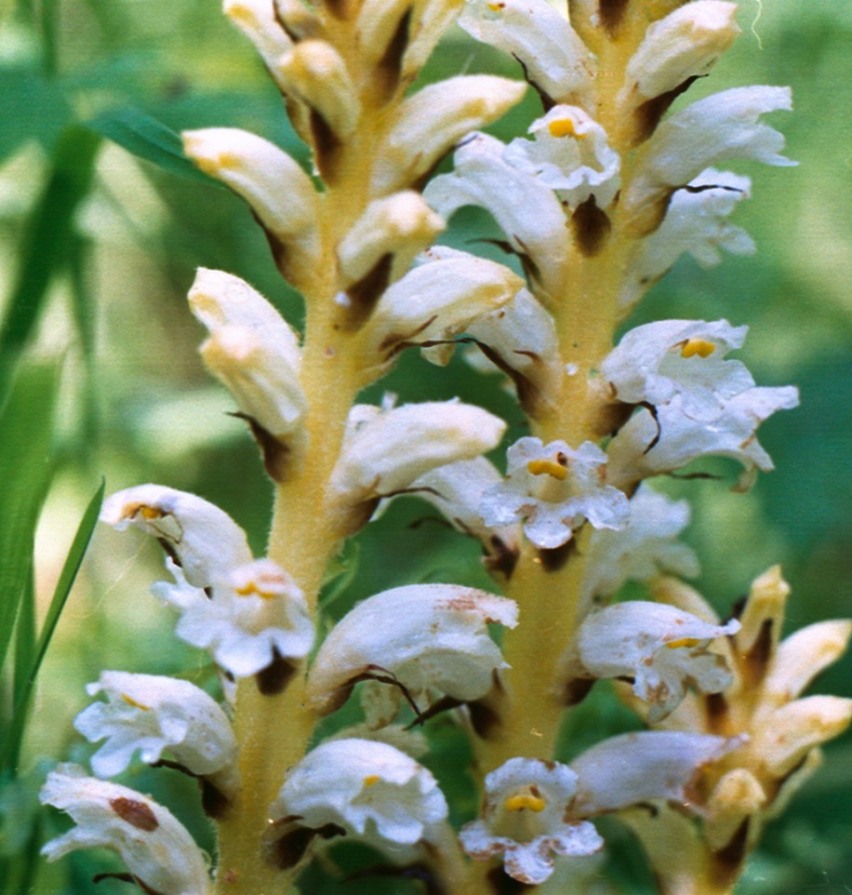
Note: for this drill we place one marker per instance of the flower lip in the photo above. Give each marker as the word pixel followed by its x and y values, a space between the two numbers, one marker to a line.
pixel 527 816
pixel 554 489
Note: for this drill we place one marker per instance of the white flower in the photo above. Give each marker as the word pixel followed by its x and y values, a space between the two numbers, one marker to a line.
pixel 372 790
pixel 152 714
pixel 385 451
pixel 427 637
pixel 661 648
pixel 435 300
pixel 696 222
pixel 256 19
pixel 204 540
pixel 644 548
pixel 723 126
pixel 431 120
pixel 400 225
pixel 645 447
pixel 555 489
pixel 278 190
pixel 644 767
pixel 571 155
pixel 684 45
pixel 251 349
pixel 255 616
pixel 554 59
pixel 527 210
pixel 154 846
pixel 655 362
pixel 527 817
pixel 315 73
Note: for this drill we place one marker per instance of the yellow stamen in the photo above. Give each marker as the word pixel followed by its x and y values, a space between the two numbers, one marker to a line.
pixel 562 127
pixel 548 467
pixel 252 589
pixel 496 7
pixel 525 801
pixel 150 512
pixel 137 705
pixel 371 780
pixel 701 347
pixel 683 641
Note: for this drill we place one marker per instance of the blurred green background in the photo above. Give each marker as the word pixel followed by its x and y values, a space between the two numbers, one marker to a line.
pixel 100 377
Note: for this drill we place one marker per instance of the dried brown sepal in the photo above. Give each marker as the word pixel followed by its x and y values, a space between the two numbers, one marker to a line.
pixel 274 678
pixel 591 228
pixel 648 115
pixel 275 454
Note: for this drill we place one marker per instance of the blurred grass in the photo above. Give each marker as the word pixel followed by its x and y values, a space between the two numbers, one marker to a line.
pixel 106 246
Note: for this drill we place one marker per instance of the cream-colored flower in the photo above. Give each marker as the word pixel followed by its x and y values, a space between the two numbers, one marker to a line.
pixel 425 639
pixel 206 542
pixel 364 789
pixel 554 59
pixel 430 121
pixel 153 714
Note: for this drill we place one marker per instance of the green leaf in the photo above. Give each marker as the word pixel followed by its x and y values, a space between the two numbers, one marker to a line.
pixel 46 244
pixel 57 604
pixel 147 138
pixel 25 471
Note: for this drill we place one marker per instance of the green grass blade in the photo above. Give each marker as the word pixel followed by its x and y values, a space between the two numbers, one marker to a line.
pixel 25 637
pixel 26 466
pixel 147 138
pixel 46 244
pixel 57 604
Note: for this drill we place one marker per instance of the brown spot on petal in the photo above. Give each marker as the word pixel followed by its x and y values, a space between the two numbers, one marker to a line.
pixel 137 814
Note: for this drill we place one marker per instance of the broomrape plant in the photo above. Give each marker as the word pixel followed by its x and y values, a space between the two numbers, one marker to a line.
pixel 605 191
